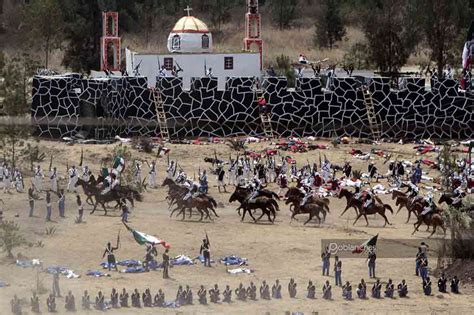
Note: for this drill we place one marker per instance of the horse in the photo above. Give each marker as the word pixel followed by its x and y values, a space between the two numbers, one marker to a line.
pixel 398 193
pixel 320 201
pixel 351 201
pixel 451 202
pixel 121 192
pixel 267 205
pixel 313 209
pixel 373 209
pixel 433 219
pixel 412 207
pixel 202 203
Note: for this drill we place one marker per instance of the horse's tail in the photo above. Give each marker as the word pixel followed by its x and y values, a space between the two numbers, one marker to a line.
pixel 136 195
pixel 212 201
pixel 274 204
pixel 388 207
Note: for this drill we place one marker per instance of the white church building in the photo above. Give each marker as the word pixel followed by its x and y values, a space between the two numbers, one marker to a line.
pixel 191 53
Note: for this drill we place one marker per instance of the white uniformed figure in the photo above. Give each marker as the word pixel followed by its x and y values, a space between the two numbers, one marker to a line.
pixel 85 173
pixel 6 179
pixel 18 181
pixel 137 175
pixel 429 208
pixel 71 185
pixel 53 179
pixel 39 178
pixel 326 170
pixel 170 170
pixel 302 59
pixel 181 178
pixel 152 175
pixel 2 167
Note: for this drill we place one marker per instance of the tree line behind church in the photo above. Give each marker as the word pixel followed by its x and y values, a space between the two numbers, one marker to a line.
pixel 393 30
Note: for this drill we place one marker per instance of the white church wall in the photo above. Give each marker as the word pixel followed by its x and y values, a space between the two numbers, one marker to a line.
pixel 244 65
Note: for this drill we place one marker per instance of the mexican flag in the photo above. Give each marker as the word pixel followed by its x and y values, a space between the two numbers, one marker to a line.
pixel 143 238
pixel 372 242
pixel 119 164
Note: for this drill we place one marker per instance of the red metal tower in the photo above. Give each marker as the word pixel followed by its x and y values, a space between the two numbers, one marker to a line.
pixel 253 28
pixel 110 42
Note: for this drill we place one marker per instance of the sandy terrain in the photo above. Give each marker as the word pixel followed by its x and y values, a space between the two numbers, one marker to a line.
pixel 278 251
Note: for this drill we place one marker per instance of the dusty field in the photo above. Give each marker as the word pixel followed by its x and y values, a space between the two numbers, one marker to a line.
pixel 278 251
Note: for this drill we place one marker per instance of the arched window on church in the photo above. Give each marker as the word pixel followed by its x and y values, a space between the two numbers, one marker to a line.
pixel 205 41
pixel 176 42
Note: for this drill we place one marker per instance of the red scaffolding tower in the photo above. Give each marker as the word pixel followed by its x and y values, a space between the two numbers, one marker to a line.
pixel 110 42
pixel 253 29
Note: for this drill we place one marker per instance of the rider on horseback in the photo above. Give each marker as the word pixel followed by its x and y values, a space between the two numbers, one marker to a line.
pixel 193 190
pixel 182 178
pixel 307 192
pixel 112 185
pixel 414 190
pixel 429 208
pixel 170 170
pixel 369 199
pixel 255 186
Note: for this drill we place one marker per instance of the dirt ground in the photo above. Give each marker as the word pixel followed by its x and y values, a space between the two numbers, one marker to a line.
pixel 275 251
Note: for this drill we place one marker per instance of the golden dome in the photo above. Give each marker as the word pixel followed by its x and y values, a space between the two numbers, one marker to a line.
pixel 190 24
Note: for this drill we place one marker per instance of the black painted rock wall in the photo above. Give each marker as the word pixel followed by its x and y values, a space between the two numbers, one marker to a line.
pixel 124 106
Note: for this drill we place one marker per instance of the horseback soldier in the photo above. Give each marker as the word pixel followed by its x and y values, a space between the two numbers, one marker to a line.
pixel 369 199
pixel 255 186
pixel 71 186
pixel 115 183
pixel 429 208
pixel 282 181
pixel 152 174
pixel 85 173
pixel 203 183
pixel 307 192
pixel 181 178
pixel 170 170
pixel 53 179
pixel 193 190
pixel 38 178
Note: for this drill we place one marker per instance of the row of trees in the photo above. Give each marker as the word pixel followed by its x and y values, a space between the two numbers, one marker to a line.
pixel 394 29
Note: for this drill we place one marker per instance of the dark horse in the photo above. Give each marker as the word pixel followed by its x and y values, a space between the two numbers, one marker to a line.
pixel 294 192
pixel 121 192
pixel 312 208
pixel 267 205
pixel 373 209
pixel 202 203
pixel 448 198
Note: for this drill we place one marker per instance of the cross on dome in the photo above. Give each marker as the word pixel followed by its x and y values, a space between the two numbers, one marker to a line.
pixel 188 9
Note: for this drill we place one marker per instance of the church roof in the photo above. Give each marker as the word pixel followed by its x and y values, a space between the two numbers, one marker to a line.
pixel 190 24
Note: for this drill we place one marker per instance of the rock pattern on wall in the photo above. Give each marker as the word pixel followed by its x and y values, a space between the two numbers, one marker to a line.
pixel 124 106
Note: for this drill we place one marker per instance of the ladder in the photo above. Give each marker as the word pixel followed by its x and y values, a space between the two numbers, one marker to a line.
pixel 371 116
pixel 160 115
pixel 264 117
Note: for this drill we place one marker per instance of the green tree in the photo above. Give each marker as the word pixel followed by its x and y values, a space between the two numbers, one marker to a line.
pixel 82 31
pixel 443 23
pixel 283 12
pixel 16 92
pixel 390 30
pixel 10 237
pixel 329 24
pixel 44 23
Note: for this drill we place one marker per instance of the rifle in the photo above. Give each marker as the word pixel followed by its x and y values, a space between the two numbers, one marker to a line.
pixel 320 163
pixel 51 162
pixel 215 157
pixel 135 71
pixel 179 67
pixel 207 239
pixel 205 68
pixel 82 157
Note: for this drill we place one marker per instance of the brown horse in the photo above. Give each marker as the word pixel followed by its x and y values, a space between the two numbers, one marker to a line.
pixel 398 193
pixel 373 209
pixel 450 201
pixel 351 201
pixel 433 219
pixel 313 209
pixel 202 203
pixel 294 192
pixel 267 205
pixel 406 202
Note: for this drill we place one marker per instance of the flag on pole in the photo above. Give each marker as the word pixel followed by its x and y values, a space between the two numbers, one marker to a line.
pixel 142 238
pixel 119 164
pixel 372 242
